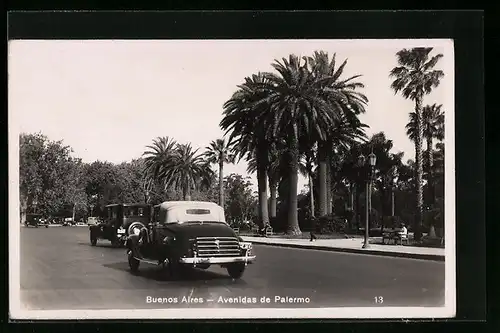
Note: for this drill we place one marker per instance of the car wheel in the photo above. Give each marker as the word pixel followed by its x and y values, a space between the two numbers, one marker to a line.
pixel 236 270
pixel 133 263
pixel 93 240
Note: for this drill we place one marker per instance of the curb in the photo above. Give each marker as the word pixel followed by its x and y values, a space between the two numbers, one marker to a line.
pixel 433 257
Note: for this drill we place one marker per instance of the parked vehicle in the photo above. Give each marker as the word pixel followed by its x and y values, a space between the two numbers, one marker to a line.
pixel 188 234
pixel 68 221
pixel 34 220
pixel 118 221
pixel 92 220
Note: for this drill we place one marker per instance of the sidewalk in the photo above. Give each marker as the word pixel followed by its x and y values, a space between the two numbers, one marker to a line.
pixel 353 245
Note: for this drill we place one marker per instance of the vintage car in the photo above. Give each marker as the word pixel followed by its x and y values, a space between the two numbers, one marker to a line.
pixel 118 222
pixel 35 220
pixel 188 234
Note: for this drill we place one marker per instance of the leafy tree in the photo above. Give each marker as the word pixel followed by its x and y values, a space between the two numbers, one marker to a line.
pixel 240 202
pixel 102 184
pixel 414 77
pixel 46 172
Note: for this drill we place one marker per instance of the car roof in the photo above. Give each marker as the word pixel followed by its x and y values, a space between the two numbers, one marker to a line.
pixel 199 204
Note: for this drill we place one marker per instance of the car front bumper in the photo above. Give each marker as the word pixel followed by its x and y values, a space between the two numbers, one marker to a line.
pixel 217 260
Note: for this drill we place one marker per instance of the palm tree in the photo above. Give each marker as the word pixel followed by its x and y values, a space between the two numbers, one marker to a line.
pixel 414 77
pixel 433 128
pixel 187 170
pixel 155 161
pixel 347 103
pixel 306 168
pixel 243 120
pixel 218 152
pixel 299 108
pixel 273 174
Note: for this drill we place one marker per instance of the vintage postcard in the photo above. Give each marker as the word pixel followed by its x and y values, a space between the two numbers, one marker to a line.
pixel 201 179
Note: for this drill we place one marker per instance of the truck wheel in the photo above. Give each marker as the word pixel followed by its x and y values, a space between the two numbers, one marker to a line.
pixel 133 263
pixel 93 240
pixel 236 270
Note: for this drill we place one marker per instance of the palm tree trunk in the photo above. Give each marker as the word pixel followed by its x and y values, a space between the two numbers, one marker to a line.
pixel 351 197
pixel 357 212
pixel 311 194
pixel 262 161
pixel 431 185
pixel 273 188
pixel 293 221
pixel 74 212
pixel 420 171
pixel 329 188
pixel 221 182
pixel 322 179
pixel 430 157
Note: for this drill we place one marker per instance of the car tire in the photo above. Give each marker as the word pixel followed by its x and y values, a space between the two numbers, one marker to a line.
pixel 133 263
pixel 236 270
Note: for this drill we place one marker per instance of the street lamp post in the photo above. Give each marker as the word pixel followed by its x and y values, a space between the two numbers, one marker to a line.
pixel 372 160
pixel 393 187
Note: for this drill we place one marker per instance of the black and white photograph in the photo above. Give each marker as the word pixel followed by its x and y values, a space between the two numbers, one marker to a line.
pixel 218 179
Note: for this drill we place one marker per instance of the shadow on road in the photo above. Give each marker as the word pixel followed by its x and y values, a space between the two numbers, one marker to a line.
pixel 102 245
pixel 189 275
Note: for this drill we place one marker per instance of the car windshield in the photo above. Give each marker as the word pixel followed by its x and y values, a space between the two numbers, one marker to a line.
pixel 134 211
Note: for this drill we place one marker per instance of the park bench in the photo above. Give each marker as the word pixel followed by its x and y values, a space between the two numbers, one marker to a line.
pixel 269 231
pixel 395 237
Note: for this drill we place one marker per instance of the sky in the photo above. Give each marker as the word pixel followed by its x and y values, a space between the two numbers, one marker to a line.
pixel 108 99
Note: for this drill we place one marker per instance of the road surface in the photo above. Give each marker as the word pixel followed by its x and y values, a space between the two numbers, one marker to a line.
pixel 60 270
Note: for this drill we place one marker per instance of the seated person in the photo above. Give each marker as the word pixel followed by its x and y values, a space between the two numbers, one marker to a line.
pixel 402 233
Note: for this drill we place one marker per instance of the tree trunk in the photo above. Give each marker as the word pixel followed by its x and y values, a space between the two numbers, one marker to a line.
pixel 392 201
pixel 221 182
pixel 419 166
pixel 329 188
pixel 24 208
pixel 311 194
pixel 186 193
pixel 262 161
pixel 273 188
pixel 293 221
pixel 322 182
pixel 357 212
pixel 351 196
pixel 74 212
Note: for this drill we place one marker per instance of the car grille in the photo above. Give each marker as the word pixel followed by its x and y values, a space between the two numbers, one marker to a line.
pixel 217 246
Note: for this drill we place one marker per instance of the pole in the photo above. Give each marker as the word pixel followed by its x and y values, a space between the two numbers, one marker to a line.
pixel 367 217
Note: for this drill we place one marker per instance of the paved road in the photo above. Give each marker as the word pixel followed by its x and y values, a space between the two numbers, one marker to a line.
pixel 60 270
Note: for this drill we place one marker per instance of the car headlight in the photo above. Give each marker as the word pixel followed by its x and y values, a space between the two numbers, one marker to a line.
pixel 245 245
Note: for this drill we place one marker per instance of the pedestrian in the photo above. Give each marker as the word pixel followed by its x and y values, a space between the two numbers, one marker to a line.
pixel 313 227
